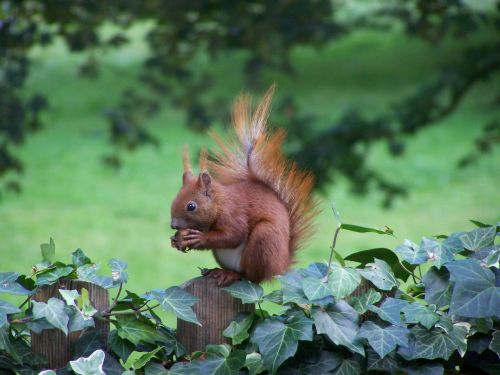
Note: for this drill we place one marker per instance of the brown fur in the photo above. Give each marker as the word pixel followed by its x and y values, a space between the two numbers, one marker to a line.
pixel 252 196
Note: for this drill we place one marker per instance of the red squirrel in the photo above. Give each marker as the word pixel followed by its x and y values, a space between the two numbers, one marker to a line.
pixel 249 205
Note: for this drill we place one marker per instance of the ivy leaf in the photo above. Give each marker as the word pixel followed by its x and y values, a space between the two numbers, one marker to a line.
pixel 340 323
pixel 495 343
pixel 384 339
pixel 380 274
pixel 367 256
pixel 493 258
pixel 79 258
pixel 315 288
pixel 411 253
pixel 88 343
pixel 276 296
pixel 77 320
pixel 246 291
pixel 432 344
pixel 6 308
pixel 437 286
pixel 317 270
pixel 91 365
pixel 53 311
pixel 390 310
pixel 417 313
pixel 7 344
pixel 230 365
pixel 475 294
pixel 88 272
pixel 324 363
pixel 48 251
pixel 137 330
pixel 52 275
pixel 237 330
pixel 424 369
pixel 176 300
pixel 69 296
pixel 118 274
pixel 121 347
pixel 291 284
pixel 362 303
pixel 145 358
pixel 343 280
pixel 348 367
pixel 254 364
pixel 388 364
pixel 360 229
pixel 478 238
pixel 8 284
pixel 441 252
pixel 155 368
pixel 278 341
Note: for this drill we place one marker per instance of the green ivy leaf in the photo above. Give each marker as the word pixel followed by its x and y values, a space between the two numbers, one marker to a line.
pixel 118 274
pixel 121 347
pixel 237 330
pixel 176 300
pixel 69 296
pixel 6 308
pixel 88 272
pixel 380 274
pixel 52 275
pixel 495 343
pixel 254 364
pixel 475 294
pixel 424 369
pixel 323 362
pixel 224 366
pixel 348 367
pixel 360 229
pixel 315 288
pixel 137 330
pixel 387 255
pixel 384 339
pixel 441 252
pixel 53 311
pixel 91 365
pixel 433 344
pixel 276 296
pixel 291 284
pixel 8 284
pixel 478 238
pixel 88 343
pixel 7 344
pixel 437 286
pixel 388 364
pixel 411 253
pixel 362 303
pixel 493 258
pixel 77 320
pixel 343 280
pixel 155 368
pixel 145 358
pixel 246 291
pixel 390 310
pixel 79 258
pixel 277 341
pixel 48 251
pixel 339 323
pixel 417 313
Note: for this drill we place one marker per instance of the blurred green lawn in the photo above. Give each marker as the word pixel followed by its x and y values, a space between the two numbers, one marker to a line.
pixel 68 194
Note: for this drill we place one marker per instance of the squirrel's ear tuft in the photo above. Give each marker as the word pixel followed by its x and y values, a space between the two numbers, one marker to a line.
pixel 204 181
pixel 187 176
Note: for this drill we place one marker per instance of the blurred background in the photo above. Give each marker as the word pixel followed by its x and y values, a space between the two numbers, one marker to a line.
pixel 394 106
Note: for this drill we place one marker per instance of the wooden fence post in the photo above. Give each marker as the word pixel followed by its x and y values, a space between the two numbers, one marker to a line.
pixel 215 309
pixel 53 343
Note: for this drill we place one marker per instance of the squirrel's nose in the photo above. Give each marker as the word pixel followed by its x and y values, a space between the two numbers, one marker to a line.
pixel 174 224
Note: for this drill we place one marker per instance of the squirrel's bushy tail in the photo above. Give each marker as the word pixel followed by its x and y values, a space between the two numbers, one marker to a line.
pixel 256 153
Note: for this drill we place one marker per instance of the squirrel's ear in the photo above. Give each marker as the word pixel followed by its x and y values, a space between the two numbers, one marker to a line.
pixel 187 176
pixel 205 181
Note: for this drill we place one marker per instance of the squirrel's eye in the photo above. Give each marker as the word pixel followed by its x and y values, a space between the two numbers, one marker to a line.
pixel 191 206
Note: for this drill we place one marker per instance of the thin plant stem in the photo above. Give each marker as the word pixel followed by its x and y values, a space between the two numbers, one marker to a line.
pixel 129 312
pixel 413 276
pixel 334 243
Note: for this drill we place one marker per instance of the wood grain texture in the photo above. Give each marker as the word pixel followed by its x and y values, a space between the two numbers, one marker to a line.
pixel 53 343
pixel 215 310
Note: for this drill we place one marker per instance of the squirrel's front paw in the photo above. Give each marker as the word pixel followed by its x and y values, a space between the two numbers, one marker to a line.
pixel 177 240
pixel 192 239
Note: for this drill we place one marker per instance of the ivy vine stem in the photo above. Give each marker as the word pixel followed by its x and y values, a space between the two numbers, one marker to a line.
pixel 334 243
pixel 128 312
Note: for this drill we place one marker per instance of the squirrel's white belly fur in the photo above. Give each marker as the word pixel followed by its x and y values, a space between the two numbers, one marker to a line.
pixel 231 258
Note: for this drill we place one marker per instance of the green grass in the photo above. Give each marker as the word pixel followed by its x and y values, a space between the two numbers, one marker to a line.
pixel 70 195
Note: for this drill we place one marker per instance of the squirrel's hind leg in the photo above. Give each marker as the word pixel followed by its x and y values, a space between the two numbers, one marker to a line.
pixel 267 252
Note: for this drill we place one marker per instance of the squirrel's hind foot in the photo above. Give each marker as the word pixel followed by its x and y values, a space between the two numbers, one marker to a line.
pixel 223 277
